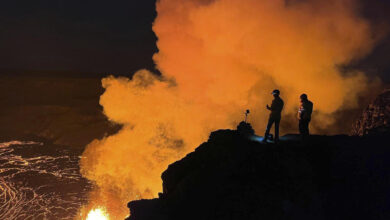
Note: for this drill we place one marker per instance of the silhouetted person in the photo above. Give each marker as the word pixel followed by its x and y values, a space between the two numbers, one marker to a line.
pixel 304 115
pixel 275 116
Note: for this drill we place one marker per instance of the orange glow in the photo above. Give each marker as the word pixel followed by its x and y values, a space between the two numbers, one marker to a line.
pixel 218 58
pixel 97 214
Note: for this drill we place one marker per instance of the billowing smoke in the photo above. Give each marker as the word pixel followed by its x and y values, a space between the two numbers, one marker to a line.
pixel 218 58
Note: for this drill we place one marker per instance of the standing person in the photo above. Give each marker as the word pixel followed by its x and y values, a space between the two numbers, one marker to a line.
pixel 304 115
pixel 275 116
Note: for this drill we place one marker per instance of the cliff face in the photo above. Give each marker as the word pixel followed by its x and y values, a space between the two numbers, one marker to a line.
pixel 235 177
pixel 375 118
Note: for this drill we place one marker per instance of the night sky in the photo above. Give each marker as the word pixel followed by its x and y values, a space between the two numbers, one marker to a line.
pixel 76 38
pixel 94 37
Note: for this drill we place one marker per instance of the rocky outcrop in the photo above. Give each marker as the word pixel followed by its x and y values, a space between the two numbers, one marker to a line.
pixel 375 118
pixel 234 176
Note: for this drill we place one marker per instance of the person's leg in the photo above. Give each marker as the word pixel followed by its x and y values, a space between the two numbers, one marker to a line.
pixel 304 129
pixel 277 122
pixel 301 127
pixel 269 126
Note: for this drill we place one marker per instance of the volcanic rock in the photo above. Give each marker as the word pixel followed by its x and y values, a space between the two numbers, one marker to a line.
pixel 244 128
pixel 232 176
pixel 375 118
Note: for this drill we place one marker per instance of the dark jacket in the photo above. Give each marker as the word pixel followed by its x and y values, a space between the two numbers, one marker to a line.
pixel 305 110
pixel 276 107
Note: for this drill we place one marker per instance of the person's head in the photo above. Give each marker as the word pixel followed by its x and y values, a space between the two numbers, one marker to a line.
pixel 303 97
pixel 276 93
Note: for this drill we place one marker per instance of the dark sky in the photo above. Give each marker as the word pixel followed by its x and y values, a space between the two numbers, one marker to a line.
pixel 76 37
pixel 96 37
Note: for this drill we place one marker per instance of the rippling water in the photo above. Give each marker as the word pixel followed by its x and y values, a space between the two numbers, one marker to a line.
pixel 40 181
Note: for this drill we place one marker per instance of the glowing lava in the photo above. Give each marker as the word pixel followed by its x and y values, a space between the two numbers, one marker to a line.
pixel 98 214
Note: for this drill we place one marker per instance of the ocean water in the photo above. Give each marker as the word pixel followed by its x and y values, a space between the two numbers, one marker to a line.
pixel 40 181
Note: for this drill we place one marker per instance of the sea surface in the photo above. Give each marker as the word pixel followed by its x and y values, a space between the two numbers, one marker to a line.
pixel 40 181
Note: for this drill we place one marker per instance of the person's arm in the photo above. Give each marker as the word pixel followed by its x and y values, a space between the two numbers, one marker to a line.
pixel 272 106
pixel 311 108
pixel 301 111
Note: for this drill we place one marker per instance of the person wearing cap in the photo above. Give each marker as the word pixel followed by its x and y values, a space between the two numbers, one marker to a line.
pixel 275 116
pixel 304 116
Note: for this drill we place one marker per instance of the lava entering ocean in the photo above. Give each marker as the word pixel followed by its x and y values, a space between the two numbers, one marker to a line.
pixel 217 58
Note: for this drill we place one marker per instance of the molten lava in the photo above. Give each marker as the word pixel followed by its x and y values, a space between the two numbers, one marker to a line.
pixel 98 214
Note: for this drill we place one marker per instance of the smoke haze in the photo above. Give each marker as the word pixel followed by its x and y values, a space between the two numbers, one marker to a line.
pixel 218 58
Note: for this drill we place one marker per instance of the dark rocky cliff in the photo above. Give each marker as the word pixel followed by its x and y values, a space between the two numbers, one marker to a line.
pixel 375 118
pixel 235 177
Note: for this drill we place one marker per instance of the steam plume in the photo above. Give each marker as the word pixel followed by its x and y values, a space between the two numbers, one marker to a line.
pixel 218 58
